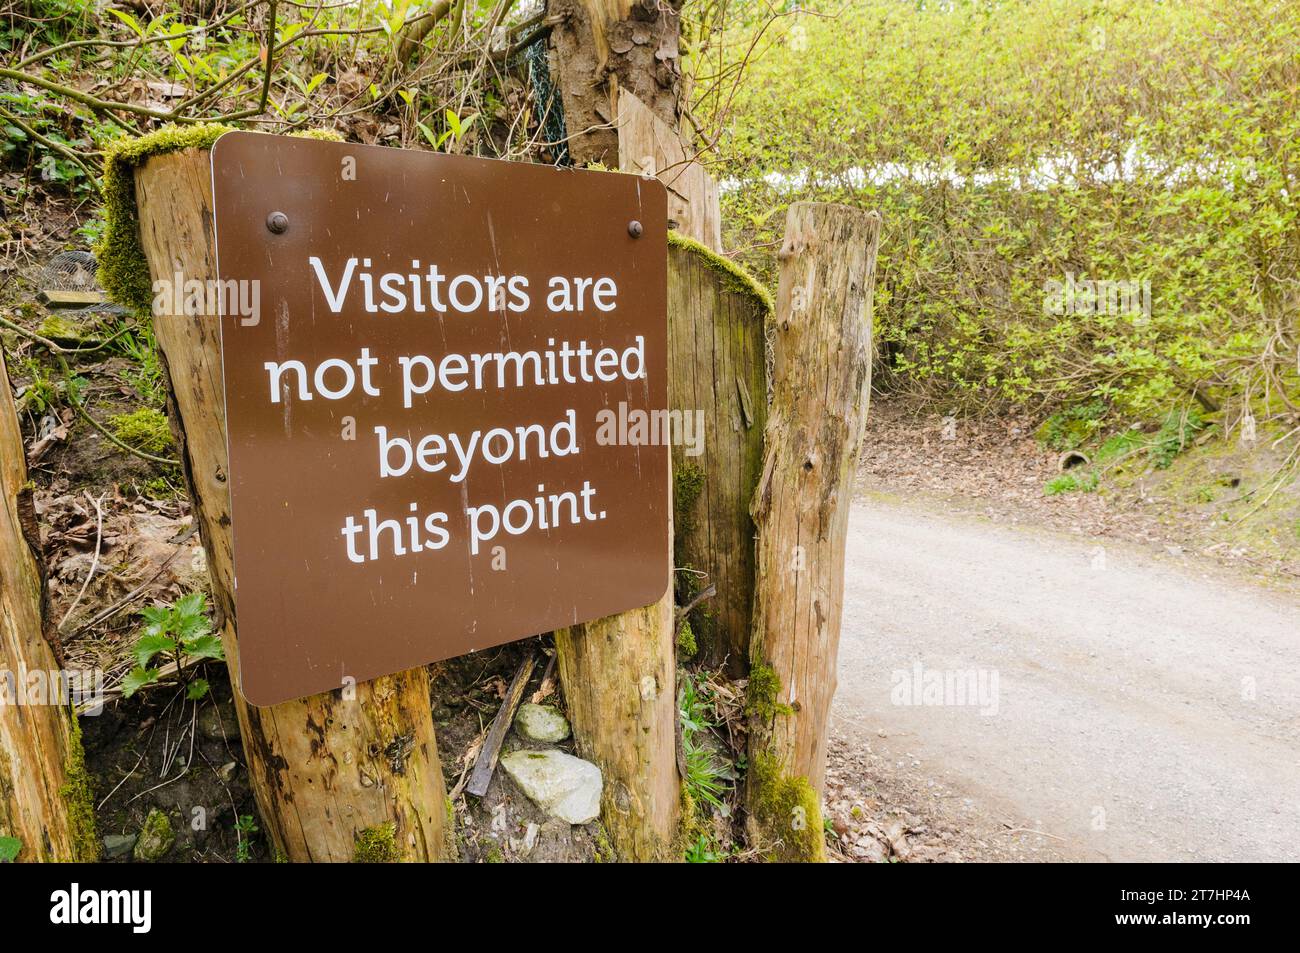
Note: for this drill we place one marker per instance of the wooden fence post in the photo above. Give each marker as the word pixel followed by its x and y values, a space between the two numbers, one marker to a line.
pixel 717 321
pixel 335 779
pixel 45 799
pixel 620 683
pixel 821 385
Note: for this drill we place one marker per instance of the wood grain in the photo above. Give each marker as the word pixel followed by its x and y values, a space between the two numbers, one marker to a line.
pixel 325 768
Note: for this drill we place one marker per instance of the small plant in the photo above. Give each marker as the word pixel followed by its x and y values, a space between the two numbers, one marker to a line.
pixel 702 852
pixel 1069 483
pixel 245 827
pixel 180 632
pixel 706 779
pixel 10 848
pixel 1071 428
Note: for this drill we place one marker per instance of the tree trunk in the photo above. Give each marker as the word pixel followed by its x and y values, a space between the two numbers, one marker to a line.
pixel 716 367
pixel 602 46
pixel 620 682
pixel 44 794
pixel 336 778
pixel 821 384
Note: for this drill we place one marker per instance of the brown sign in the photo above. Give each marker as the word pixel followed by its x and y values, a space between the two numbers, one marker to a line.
pixel 442 376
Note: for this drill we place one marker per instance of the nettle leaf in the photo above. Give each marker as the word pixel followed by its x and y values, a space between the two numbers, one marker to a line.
pixel 191 604
pixel 137 679
pixel 205 646
pixel 198 690
pixel 150 644
pixel 10 848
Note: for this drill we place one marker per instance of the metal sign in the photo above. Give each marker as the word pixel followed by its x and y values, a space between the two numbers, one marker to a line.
pixel 446 382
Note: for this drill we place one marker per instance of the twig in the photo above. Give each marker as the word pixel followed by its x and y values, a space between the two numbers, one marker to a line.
pixel 94 562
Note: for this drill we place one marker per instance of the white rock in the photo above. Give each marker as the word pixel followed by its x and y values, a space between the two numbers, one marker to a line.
pixel 541 723
pixel 560 784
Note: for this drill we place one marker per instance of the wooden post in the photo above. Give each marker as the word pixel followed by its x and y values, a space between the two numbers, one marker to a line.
pixel 45 800
pixel 336 779
pixel 647 145
pixel 821 385
pixel 717 320
pixel 620 682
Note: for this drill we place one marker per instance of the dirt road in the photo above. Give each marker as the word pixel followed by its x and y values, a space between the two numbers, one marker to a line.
pixel 1129 705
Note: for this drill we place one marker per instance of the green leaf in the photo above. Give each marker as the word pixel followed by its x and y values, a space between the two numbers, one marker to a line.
pixel 137 679
pixel 129 20
pixel 198 689
pixel 205 646
pixel 149 645
pixel 10 848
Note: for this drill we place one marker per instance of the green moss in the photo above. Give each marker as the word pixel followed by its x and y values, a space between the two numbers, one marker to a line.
pixel 494 855
pixel 123 271
pixel 376 845
pixel 786 812
pixel 59 329
pixel 145 429
pixel 686 646
pixel 79 799
pixel 688 484
pixel 736 278
pixel 761 695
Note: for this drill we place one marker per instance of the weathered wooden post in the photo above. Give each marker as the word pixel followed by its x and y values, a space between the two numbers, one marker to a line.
pixel 620 674
pixel 336 778
pixel 717 322
pixel 45 800
pixel 821 385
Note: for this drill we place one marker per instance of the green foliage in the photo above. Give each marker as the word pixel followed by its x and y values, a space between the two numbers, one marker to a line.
pixel 1009 146
pixel 145 429
pixel 10 848
pixel 702 851
pixel 706 779
pixel 1070 483
pixel 1072 427
pixel 180 632
pixel 245 827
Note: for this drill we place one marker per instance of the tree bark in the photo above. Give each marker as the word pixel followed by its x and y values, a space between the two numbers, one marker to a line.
pixel 821 384
pixel 716 367
pixel 331 774
pixel 602 46
pixel 620 682
pixel 44 796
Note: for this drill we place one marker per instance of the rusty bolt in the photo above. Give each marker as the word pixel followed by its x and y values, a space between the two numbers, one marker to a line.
pixel 277 223
pixel 634 228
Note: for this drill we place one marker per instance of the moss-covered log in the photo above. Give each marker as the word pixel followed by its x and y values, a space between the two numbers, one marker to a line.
pixel 45 801
pixel 327 771
pixel 821 381
pixel 717 320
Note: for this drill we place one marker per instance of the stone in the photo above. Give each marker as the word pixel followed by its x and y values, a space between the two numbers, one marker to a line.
pixel 156 838
pixel 563 786
pixel 541 723
pixel 117 845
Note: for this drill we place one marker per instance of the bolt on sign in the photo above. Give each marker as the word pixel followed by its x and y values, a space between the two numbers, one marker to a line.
pixel 441 407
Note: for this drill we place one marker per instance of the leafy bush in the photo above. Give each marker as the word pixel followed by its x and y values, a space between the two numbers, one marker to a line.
pixel 1018 150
